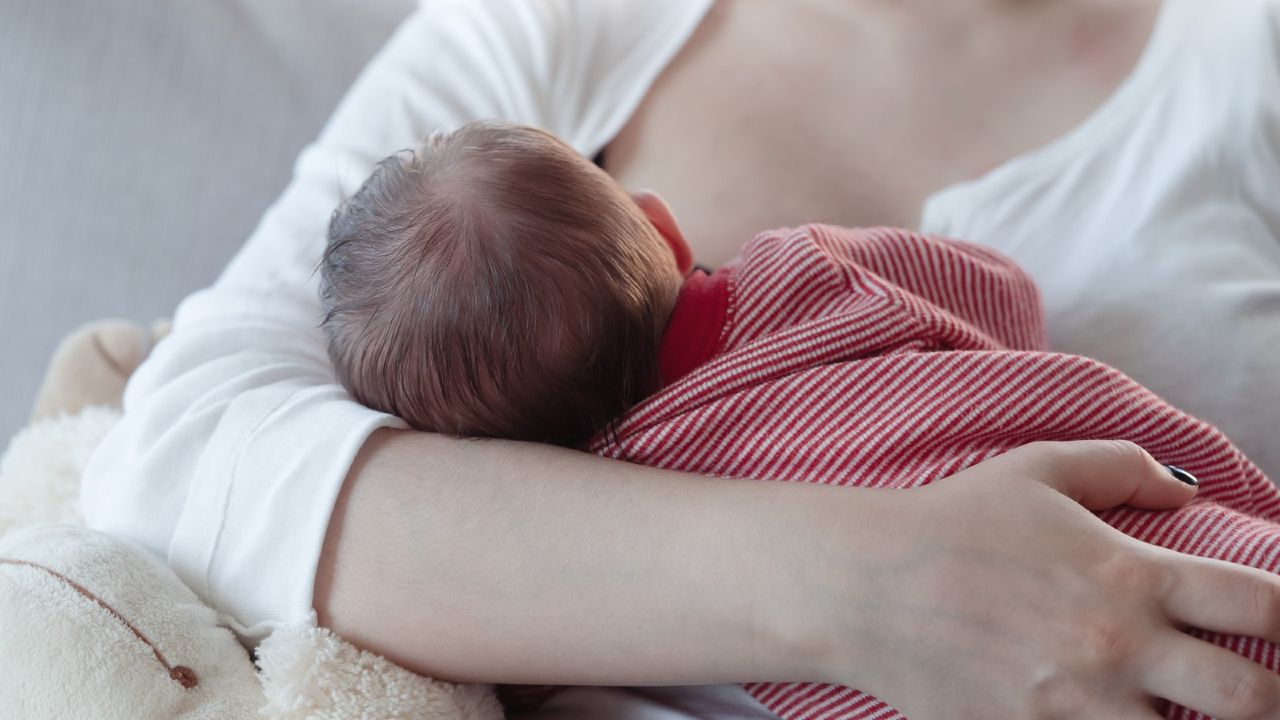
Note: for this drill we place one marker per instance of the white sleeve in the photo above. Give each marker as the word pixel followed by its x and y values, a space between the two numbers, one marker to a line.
pixel 236 438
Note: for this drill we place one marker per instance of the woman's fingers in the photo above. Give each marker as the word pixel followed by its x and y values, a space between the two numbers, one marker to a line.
pixel 1084 611
pixel 1101 474
pixel 1213 680
pixel 1222 597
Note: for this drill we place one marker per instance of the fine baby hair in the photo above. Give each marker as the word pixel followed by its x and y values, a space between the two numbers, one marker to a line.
pixel 493 282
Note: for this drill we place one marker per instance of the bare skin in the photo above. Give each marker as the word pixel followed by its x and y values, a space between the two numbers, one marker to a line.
pixel 882 104
pixel 497 561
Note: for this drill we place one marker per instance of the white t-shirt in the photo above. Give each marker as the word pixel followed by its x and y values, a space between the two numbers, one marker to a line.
pixel 236 436
pixel 1153 230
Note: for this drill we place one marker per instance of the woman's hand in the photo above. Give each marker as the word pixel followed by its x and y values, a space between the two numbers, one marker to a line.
pixel 1002 596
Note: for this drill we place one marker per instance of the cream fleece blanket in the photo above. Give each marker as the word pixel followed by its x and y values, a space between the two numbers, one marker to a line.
pixel 94 627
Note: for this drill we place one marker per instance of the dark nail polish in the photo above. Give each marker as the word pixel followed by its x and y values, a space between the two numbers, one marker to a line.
pixel 1182 475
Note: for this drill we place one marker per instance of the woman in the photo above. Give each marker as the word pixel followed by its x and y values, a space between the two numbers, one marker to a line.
pixel 271 493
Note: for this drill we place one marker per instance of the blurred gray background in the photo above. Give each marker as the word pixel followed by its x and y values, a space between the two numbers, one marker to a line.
pixel 140 140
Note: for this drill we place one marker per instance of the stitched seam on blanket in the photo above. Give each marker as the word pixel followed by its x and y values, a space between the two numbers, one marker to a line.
pixel 184 675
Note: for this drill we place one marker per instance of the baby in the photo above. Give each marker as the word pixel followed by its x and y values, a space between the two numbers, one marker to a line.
pixel 495 283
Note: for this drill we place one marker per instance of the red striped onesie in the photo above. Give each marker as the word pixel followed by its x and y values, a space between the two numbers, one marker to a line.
pixel 880 358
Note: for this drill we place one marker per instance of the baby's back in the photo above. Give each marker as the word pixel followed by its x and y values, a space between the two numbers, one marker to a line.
pixel 880 358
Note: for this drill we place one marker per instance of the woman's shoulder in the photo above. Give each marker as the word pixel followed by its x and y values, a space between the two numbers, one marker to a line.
pixel 1228 41
pixel 577 68
pixel 1227 70
pixel 606 55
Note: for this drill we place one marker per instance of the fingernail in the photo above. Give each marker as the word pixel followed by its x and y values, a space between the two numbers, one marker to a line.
pixel 1182 475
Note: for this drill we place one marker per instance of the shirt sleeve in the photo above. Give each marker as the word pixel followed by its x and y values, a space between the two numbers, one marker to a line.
pixel 236 438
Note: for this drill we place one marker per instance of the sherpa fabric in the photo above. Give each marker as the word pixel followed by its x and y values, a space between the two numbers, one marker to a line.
pixel 67 657
pixel 72 656
pixel 308 673
pixel 40 472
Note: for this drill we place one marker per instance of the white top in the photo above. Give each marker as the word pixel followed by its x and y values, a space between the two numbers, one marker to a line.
pixel 236 436
pixel 1152 228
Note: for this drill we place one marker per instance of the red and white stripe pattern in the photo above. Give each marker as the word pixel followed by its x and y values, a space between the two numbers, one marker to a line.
pixel 881 358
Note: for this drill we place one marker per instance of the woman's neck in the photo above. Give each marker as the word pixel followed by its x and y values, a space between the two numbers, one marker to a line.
pixel 855 112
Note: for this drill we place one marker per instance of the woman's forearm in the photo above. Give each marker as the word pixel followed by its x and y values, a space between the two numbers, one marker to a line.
pixel 506 562
pixel 996 593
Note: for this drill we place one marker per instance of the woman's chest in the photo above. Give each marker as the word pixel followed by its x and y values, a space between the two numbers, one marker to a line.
pixel 751 128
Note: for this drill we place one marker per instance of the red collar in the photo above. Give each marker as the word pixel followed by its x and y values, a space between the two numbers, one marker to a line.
pixel 693 333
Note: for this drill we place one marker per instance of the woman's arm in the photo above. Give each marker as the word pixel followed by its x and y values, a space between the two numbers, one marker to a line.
pixel 502 561
pixel 236 437
pixel 987 595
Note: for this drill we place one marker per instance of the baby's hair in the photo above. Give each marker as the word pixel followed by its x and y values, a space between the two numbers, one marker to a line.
pixel 494 283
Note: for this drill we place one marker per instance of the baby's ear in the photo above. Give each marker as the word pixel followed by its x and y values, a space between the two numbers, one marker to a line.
pixel 664 221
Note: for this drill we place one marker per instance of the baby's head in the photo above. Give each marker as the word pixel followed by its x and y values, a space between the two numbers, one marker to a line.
pixel 495 283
